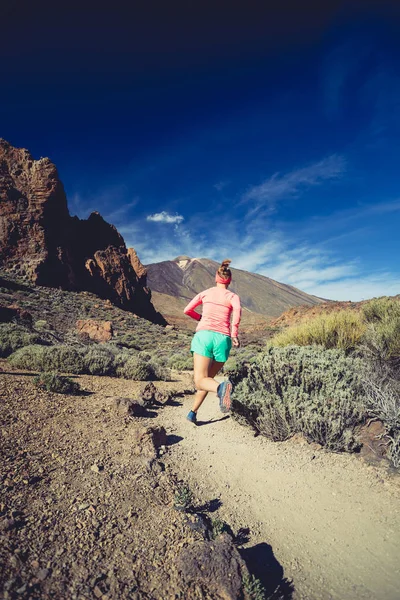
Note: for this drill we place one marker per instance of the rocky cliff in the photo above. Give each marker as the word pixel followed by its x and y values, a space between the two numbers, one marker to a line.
pixel 41 241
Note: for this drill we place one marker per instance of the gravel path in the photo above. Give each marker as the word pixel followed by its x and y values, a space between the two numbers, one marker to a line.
pixel 332 520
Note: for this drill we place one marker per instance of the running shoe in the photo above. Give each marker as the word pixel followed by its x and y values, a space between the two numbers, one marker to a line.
pixel 224 395
pixel 192 417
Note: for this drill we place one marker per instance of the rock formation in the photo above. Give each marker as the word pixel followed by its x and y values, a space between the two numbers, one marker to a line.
pixel 41 241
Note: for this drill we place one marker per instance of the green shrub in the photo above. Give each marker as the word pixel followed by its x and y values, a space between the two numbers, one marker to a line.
pixel 180 361
pixel 13 337
pixel 342 330
pixel 53 382
pixel 218 527
pixel 137 369
pixel 306 390
pixel 67 359
pixel 99 360
pixel 31 358
pixel 253 588
pixel 381 341
pixel 183 498
pixel 42 325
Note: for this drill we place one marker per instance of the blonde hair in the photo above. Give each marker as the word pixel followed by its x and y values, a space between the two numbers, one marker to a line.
pixel 224 270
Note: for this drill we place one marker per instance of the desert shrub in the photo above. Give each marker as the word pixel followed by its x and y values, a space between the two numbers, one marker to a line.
pixel 136 368
pixel 130 340
pixel 99 360
pixel 382 398
pixel 53 382
pixel 240 356
pixel 306 390
pixel 13 336
pixel 181 361
pixel 41 324
pixel 31 358
pixel 67 359
pixel 342 330
pixel 381 340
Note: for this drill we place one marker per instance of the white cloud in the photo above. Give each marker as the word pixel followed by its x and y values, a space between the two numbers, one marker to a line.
pixel 293 183
pixel 165 217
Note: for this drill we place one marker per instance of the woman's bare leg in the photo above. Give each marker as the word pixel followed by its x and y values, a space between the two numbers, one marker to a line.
pixel 213 369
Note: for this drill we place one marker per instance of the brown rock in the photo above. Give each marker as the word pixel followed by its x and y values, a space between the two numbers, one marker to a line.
pixel 140 270
pixel 40 240
pixel 148 439
pixel 129 407
pixel 98 331
pixel 215 568
pixel 372 438
pixel 148 394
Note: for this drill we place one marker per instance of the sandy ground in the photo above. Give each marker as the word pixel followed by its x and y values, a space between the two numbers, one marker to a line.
pixel 330 521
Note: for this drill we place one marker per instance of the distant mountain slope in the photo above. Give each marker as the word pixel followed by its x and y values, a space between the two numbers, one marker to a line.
pixel 184 277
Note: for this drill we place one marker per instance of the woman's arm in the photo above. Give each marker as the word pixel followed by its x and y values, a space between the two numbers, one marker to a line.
pixel 189 309
pixel 236 315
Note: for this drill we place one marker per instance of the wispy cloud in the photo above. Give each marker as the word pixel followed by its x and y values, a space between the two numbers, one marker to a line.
pixel 220 185
pixel 293 183
pixel 118 215
pixel 165 217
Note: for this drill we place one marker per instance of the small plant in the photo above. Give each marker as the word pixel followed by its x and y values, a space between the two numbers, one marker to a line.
pixel 253 588
pixel 53 382
pixel 218 526
pixel 183 498
pixel 42 325
pixel 342 330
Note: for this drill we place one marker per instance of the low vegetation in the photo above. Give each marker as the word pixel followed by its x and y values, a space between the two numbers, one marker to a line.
pixel 304 390
pixel 324 377
pixel 14 336
pixel 53 382
pixel 343 330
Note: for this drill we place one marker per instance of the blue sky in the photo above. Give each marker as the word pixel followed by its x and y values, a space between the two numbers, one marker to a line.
pixel 271 138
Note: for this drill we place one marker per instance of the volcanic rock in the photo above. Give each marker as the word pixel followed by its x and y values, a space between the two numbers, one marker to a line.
pixel 98 331
pixel 42 242
pixel 215 566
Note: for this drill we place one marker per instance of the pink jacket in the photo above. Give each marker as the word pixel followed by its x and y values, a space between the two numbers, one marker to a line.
pixel 218 305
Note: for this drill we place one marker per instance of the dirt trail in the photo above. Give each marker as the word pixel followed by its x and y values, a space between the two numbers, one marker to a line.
pixel 332 520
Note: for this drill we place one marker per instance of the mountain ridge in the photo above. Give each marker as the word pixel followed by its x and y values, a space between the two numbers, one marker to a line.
pixel 184 277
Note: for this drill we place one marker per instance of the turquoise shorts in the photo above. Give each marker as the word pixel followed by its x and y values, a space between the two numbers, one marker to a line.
pixel 211 344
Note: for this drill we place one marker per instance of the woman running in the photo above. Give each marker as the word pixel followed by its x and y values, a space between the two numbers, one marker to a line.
pixel 213 339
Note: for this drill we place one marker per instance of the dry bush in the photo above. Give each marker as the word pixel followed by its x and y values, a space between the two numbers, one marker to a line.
pixel 100 360
pixel 31 358
pixel 53 382
pixel 138 369
pixel 382 398
pixel 381 341
pixel 342 330
pixel 306 390
pixel 13 337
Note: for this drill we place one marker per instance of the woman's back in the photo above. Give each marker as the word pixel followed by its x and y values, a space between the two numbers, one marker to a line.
pixel 218 304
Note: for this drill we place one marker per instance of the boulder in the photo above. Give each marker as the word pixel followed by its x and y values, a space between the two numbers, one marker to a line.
pixel 98 331
pixel 213 568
